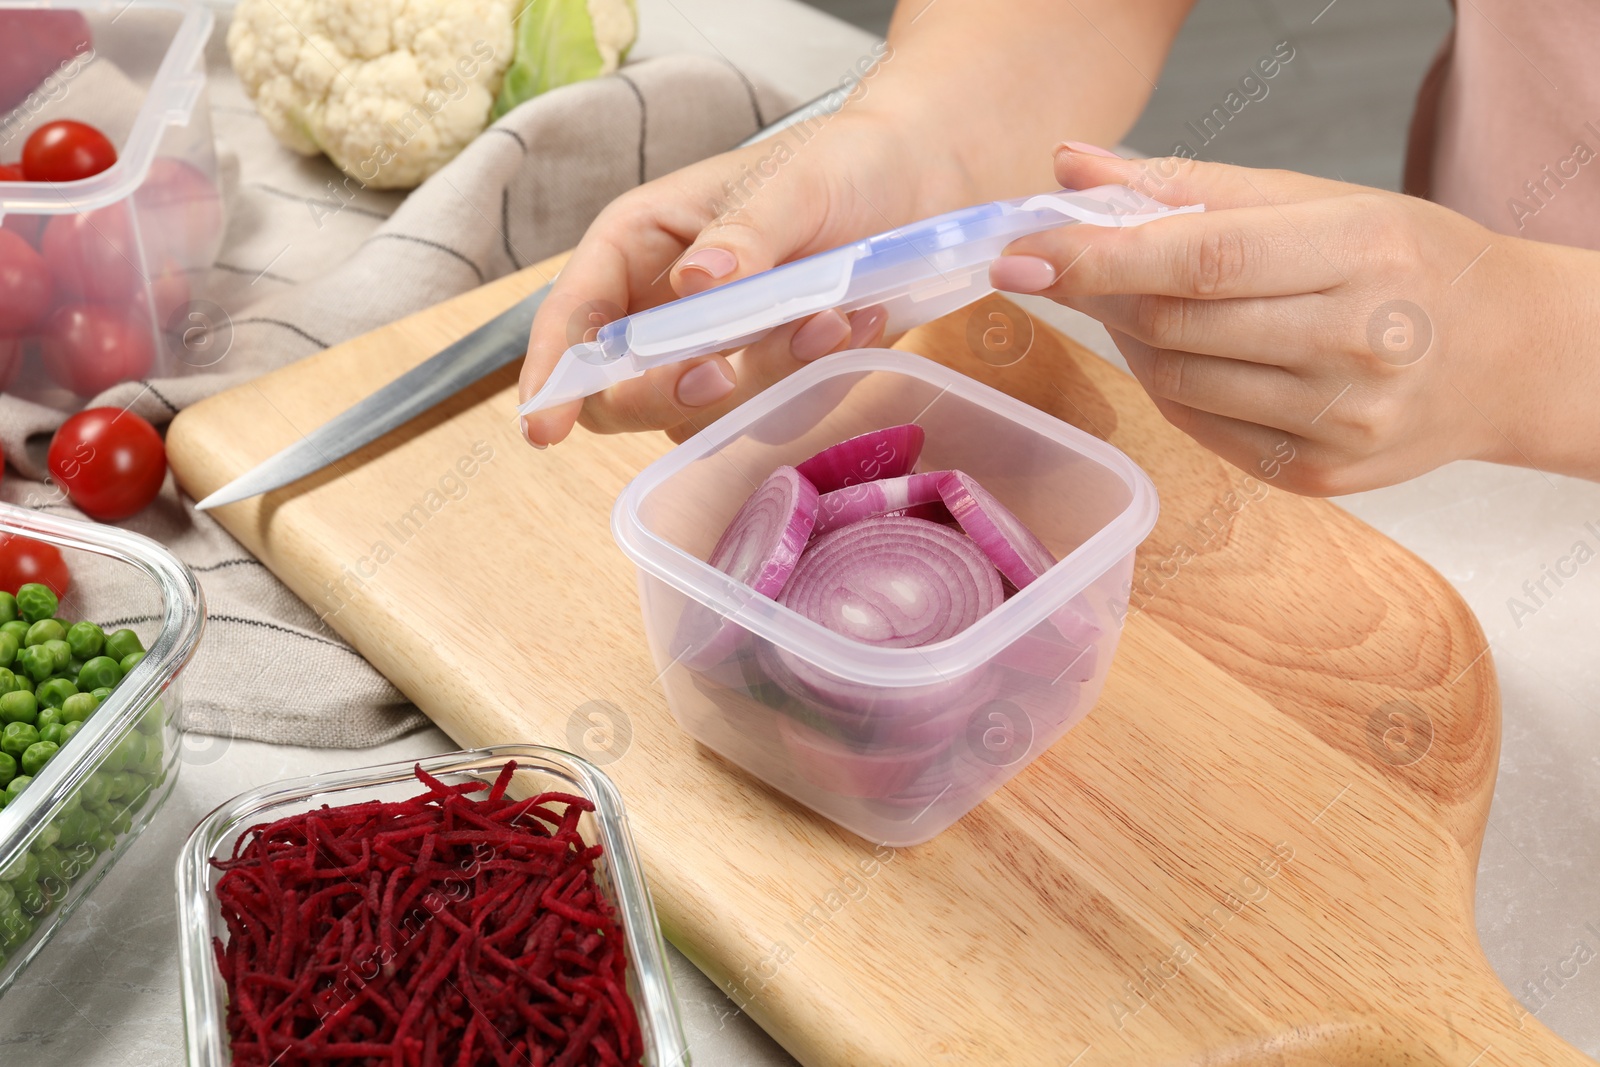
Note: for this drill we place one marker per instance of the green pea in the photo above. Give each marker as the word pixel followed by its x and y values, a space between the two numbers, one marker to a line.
pixel 74 665
pixel 8 897
pixel 150 763
pixel 25 868
pixel 69 731
pixel 150 722
pixel 8 768
pixel 15 788
pixel 8 681
pixel 100 695
pixel 52 734
pixel 44 630
pixel 55 692
pixel 121 823
pixel 9 647
pixel 131 748
pixel 104 841
pixel 16 738
pixel 19 706
pixel 23 683
pixel 31 896
pixel 86 639
pixel 35 602
pixel 122 644
pixel 78 707
pixel 15 926
pixel 46 838
pixel 17 629
pixel 79 828
pixel 61 652
pixel 8 607
pixel 36 662
pixel 36 755
pixel 101 672
pixel 96 790
pixel 124 784
pixel 139 799
pixel 130 661
pixel 48 716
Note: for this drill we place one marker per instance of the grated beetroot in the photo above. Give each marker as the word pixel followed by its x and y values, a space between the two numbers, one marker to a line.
pixel 440 930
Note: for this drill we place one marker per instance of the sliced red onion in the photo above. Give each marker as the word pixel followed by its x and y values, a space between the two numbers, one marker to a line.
pixel 869 714
pixel 887 453
pixel 1008 544
pixel 893 582
pixel 885 496
pixel 1064 647
pixel 760 548
pixel 855 771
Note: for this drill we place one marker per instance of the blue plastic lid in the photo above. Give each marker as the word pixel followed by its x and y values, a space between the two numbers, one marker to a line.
pixel 916 273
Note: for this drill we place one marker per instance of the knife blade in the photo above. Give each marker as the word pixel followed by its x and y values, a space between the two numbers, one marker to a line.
pixel 501 340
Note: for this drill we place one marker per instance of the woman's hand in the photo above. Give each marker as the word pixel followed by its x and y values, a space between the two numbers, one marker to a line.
pixel 733 215
pixel 1379 334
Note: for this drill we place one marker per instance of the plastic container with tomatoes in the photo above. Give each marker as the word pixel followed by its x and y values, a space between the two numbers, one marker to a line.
pixel 105 224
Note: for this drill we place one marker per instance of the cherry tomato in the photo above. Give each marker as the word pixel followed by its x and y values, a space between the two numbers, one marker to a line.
pixel 110 461
pixel 93 254
pixel 24 560
pixel 27 227
pixel 65 151
pixel 10 360
pixel 88 348
pixel 166 297
pixel 180 212
pixel 25 285
pixel 33 45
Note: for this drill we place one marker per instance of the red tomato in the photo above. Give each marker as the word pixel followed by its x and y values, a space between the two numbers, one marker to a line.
pixel 167 295
pixel 27 227
pixel 180 212
pixel 65 151
pixel 10 360
pixel 88 348
pixel 93 254
pixel 110 461
pixel 24 560
pixel 33 45
pixel 25 286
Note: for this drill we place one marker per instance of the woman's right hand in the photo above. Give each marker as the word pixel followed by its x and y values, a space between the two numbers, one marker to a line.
pixel 713 222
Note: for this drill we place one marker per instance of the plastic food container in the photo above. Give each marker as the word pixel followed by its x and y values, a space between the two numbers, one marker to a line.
pixel 125 250
pixel 895 744
pixel 538 769
pixel 122 578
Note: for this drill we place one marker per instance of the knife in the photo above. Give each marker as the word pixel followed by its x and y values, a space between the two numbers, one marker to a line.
pixel 498 342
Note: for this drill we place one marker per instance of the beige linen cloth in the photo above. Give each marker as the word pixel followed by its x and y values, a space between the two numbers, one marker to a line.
pixel 303 267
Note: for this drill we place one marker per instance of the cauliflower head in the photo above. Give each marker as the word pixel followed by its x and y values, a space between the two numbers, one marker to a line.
pixel 391 90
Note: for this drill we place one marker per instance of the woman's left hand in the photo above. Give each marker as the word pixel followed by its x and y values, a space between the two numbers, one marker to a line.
pixel 1378 334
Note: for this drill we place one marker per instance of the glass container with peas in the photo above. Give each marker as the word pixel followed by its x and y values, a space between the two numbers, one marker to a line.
pixel 88 742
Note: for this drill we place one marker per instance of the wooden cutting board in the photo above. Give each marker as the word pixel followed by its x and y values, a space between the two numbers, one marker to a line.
pixel 1259 848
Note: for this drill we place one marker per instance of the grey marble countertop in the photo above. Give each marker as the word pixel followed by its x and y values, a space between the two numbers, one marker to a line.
pixel 105 991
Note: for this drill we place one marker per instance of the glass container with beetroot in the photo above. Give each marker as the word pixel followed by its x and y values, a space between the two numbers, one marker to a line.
pixel 884 588
pixel 476 907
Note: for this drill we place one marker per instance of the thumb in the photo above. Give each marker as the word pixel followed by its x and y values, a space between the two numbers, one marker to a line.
pixel 775 223
pixel 1178 180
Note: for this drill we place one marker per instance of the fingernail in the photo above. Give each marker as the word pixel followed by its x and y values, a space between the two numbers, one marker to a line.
pixel 865 324
pixel 523 421
pixel 1087 149
pixel 705 384
pixel 714 262
pixel 1022 274
pixel 819 336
